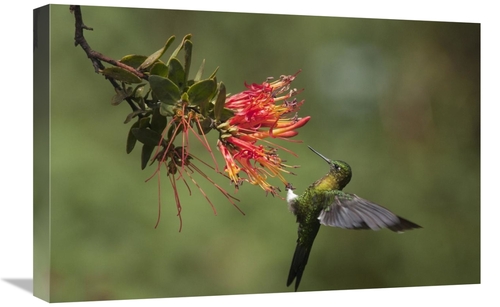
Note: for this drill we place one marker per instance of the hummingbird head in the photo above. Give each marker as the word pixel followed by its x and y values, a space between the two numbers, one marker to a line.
pixel 339 170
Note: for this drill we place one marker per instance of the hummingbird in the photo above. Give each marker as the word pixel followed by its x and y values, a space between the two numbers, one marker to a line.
pixel 324 203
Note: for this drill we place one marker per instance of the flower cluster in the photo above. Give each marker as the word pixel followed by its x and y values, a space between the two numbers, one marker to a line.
pixel 260 112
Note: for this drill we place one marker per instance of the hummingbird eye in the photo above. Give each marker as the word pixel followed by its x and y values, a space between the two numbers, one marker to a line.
pixel 336 166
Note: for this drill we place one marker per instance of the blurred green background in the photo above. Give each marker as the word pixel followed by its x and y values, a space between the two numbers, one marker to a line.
pixel 397 100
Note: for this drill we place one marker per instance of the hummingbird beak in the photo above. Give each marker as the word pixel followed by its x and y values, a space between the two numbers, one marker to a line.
pixel 324 158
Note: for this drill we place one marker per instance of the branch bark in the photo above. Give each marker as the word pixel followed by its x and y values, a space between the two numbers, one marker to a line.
pixel 96 57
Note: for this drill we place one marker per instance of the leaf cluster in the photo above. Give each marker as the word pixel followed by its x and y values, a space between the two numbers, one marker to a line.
pixel 164 91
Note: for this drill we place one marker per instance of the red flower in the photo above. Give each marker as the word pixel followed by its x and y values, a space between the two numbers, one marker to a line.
pixel 260 112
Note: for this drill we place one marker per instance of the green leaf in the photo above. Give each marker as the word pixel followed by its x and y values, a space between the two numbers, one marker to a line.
pixel 138 90
pixel 178 49
pixel 155 56
pixel 121 74
pixel 120 95
pixel 200 71
pixel 201 91
pixel 147 136
pixel 184 97
pixel 220 102
pixel 131 139
pixel 212 76
pixel 144 122
pixel 226 114
pixel 158 121
pixel 133 60
pixel 146 153
pixel 176 72
pixel 159 69
pixel 188 49
pixel 133 114
pixel 164 89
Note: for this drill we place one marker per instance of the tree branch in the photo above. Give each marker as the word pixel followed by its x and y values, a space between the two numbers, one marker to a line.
pixel 96 57
pixel 93 55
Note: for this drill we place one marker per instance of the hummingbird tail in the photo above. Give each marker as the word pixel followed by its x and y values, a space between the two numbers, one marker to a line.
pixel 299 262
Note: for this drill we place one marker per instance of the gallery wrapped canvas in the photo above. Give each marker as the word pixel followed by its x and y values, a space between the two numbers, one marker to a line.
pixel 194 153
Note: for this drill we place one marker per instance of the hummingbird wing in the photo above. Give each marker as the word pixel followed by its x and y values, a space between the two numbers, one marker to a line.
pixel 353 212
